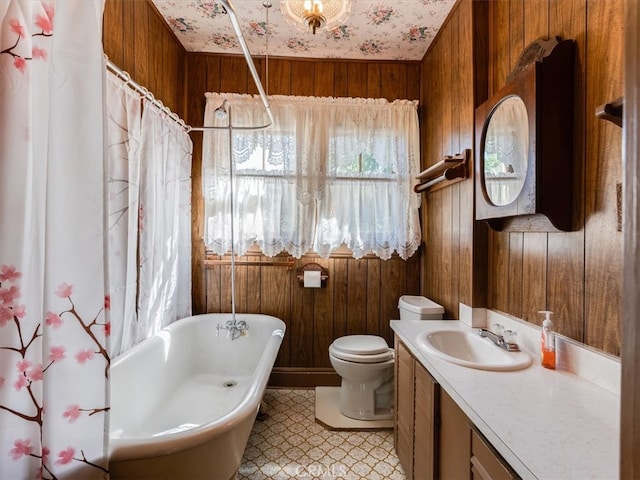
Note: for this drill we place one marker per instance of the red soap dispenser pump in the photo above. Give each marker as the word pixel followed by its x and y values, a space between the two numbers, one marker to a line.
pixel 548 342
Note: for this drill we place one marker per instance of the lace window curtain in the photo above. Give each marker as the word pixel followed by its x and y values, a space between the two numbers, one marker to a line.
pixel 330 171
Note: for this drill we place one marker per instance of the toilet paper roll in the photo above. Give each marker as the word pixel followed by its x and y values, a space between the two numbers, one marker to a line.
pixel 312 279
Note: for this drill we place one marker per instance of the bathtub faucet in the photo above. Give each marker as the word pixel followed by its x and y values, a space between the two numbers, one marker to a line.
pixel 234 329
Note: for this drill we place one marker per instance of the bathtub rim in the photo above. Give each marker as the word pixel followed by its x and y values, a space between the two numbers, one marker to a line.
pixel 123 449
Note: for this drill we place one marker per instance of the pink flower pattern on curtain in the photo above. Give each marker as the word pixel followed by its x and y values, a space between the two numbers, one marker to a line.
pixel 54 313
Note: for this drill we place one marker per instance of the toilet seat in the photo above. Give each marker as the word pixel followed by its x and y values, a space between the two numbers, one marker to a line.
pixel 361 349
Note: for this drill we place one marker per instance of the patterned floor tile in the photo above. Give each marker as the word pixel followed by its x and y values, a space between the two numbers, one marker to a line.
pixel 289 444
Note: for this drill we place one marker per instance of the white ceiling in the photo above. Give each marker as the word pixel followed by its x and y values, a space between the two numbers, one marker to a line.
pixel 375 30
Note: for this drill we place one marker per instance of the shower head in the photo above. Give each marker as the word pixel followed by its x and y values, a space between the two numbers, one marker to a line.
pixel 221 112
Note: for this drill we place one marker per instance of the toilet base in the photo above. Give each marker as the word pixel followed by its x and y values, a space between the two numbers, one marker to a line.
pixel 360 403
pixel 327 413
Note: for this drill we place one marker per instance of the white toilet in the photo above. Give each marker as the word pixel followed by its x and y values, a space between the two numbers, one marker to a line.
pixel 365 363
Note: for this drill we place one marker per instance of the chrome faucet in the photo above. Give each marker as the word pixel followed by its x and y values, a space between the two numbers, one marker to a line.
pixel 234 329
pixel 499 339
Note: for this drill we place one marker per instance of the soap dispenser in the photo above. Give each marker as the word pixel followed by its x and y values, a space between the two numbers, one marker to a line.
pixel 548 342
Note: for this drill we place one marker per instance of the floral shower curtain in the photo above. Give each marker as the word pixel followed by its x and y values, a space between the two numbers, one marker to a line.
pixel 54 322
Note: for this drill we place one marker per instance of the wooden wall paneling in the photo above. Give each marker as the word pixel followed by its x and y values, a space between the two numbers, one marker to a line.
pixel 213 75
pixel 357 84
pixel 213 291
pixel 534 273
pixel 534 260
pixel 515 280
pixel 279 77
pixel 241 284
pixel 630 357
pixel 480 41
pixel 254 279
pixel 373 80
pixel 196 84
pixel 252 89
pixel 341 80
pixel 134 31
pixel 156 73
pixel 275 294
pixel 433 265
pixel 480 54
pixel 536 25
pixel 225 288
pixel 603 243
pixel 356 296
pixel 394 81
pixel 516 241
pixel 375 290
pixel 413 81
pixel 234 75
pixel 454 79
pixel 466 117
pixel 302 323
pixel 340 296
pixel 565 262
pixel 304 75
pixel 499 67
pixel 324 79
pixel 498 293
pixel 113 21
pixel 498 44
pixel 392 274
pixel 412 271
pixel 323 320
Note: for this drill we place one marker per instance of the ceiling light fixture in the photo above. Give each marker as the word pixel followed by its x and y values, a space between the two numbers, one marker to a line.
pixel 315 14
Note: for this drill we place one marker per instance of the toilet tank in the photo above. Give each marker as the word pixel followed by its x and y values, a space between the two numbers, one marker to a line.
pixel 414 307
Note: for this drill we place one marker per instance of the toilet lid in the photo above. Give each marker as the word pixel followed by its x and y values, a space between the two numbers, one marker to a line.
pixel 360 344
pixel 361 349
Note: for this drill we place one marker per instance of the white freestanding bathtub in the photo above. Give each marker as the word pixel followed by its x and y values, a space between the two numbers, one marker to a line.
pixel 183 402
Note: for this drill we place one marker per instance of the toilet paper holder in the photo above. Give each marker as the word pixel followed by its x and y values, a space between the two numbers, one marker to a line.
pixel 313 267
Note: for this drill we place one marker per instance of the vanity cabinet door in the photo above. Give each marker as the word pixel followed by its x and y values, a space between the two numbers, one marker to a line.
pixel 425 425
pixel 404 396
pixel 486 464
pixel 454 441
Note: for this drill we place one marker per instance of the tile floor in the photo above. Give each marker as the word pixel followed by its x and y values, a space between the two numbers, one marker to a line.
pixel 289 444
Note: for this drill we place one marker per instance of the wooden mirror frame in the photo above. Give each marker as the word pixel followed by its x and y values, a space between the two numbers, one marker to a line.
pixel 545 201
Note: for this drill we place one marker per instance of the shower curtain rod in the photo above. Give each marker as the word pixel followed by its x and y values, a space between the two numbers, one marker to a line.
pixel 252 68
pixel 124 76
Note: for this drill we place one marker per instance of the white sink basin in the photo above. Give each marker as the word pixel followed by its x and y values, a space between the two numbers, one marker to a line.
pixel 468 349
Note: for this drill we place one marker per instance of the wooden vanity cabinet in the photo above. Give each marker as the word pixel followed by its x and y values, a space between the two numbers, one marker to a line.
pixel 431 432
pixel 404 407
pixel 454 441
pixel 434 439
pixel 486 463
pixel 425 424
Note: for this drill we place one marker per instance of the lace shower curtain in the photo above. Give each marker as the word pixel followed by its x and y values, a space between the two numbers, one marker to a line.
pixel 149 217
pixel 54 321
pixel 330 171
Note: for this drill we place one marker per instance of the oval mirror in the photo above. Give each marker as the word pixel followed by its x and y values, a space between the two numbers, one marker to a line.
pixel 506 147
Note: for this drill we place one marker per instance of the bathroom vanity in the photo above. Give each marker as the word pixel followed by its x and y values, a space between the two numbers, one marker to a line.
pixel 456 422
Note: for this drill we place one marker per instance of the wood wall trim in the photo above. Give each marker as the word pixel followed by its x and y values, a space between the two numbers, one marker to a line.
pixel 630 398
pixel 291 377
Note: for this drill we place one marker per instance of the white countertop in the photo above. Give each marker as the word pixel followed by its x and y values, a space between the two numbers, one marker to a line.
pixel 547 424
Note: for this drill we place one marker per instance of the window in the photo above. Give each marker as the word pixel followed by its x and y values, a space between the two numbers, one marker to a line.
pixel 328 172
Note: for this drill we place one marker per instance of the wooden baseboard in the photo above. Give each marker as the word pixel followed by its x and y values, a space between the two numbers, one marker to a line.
pixel 303 377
